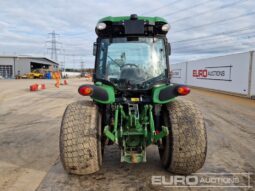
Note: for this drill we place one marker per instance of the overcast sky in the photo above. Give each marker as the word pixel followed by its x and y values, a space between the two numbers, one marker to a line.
pixel 199 28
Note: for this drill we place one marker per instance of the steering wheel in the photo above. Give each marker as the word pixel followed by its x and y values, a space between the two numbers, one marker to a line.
pixel 129 65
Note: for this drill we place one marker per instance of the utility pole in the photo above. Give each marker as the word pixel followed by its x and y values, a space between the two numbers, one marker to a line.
pixel 82 68
pixel 73 61
pixel 53 49
pixel 64 59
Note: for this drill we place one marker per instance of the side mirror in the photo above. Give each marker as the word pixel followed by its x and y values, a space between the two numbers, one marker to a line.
pixel 169 48
pixel 94 49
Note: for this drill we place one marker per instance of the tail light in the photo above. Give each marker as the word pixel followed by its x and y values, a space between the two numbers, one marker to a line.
pixel 183 90
pixel 85 90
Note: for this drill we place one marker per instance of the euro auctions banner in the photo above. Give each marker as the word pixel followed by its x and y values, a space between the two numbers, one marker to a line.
pixel 222 73
pixel 227 73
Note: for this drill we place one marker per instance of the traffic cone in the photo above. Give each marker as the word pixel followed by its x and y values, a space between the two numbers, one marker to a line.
pixel 43 86
pixel 34 87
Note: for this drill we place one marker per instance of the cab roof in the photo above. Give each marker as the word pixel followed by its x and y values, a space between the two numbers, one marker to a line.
pixel 131 25
pixel 126 18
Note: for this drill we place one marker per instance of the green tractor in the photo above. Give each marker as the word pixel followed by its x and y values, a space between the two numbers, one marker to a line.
pixel 133 104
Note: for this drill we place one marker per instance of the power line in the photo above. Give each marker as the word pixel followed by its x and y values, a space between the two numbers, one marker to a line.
pixel 251 35
pixel 75 34
pixel 215 34
pixel 197 46
pixel 219 47
pixel 220 50
pixel 219 21
pixel 161 7
pixel 78 34
pixel 79 45
pixel 189 58
pixel 218 38
pixel 214 46
pixel 210 10
pixel 187 8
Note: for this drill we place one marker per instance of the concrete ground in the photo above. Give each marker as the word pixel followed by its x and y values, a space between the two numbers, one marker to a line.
pixel 29 131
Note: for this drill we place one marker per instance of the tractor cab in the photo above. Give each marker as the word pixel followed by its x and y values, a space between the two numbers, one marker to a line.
pixel 132 52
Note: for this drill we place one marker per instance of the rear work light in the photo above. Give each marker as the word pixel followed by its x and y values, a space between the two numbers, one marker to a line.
pixel 183 90
pixel 165 27
pixel 85 90
pixel 101 26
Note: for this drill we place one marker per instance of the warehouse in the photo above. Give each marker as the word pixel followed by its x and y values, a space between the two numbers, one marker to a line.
pixel 10 66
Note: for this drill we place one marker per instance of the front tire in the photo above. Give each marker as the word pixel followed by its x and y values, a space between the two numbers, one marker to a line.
pixel 80 138
pixel 184 149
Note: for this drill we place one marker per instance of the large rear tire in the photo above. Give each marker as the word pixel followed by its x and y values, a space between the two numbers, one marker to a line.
pixel 80 138
pixel 184 149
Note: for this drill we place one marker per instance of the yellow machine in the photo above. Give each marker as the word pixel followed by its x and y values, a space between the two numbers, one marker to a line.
pixel 33 75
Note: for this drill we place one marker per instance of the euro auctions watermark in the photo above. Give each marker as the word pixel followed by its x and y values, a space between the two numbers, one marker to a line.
pixel 206 180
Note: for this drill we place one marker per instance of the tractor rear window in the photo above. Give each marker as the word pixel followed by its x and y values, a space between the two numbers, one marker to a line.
pixel 138 62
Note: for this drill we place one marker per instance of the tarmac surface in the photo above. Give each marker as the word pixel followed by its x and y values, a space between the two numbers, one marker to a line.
pixel 29 133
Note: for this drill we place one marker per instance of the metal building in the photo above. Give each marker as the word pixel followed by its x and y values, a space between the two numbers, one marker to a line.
pixel 10 66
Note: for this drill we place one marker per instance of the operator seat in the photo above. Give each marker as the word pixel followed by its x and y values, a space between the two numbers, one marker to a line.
pixel 132 74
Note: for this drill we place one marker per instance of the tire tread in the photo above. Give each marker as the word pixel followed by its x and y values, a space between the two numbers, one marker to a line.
pixel 79 143
pixel 189 139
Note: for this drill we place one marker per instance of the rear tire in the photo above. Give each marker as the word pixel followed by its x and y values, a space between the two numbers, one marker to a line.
pixel 184 149
pixel 80 138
